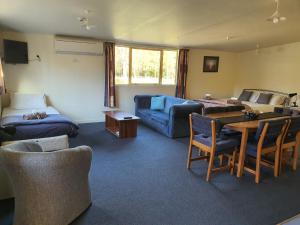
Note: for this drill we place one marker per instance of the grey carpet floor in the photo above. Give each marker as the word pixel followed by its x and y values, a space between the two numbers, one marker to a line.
pixel 143 181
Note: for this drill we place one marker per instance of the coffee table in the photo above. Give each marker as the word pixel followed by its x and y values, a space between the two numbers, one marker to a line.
pixel 121 124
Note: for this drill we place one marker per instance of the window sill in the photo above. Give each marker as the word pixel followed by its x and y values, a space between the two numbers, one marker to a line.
pixel 167 85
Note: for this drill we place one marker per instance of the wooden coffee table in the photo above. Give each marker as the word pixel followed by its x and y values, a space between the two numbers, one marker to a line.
pixel 121 124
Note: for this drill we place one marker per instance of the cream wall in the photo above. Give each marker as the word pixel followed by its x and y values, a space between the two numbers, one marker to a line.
pixel 74 84
pixel 125 94
pixel 275 68
pixel 219 84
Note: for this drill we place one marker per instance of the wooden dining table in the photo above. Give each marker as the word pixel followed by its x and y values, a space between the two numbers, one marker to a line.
pixel 245 128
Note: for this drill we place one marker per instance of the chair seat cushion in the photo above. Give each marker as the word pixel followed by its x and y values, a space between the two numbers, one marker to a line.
pixel 231 133
pixel 222 144
pixel 252 147
pixel 289 138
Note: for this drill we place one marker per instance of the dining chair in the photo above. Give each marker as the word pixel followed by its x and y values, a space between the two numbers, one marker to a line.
pixel 266 141
pixel 206 135
pixel 291 141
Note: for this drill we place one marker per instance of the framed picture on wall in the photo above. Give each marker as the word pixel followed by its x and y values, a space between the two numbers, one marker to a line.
pixel 211 64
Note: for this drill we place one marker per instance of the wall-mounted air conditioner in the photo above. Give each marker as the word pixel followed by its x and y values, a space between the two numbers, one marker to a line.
pixel 77 46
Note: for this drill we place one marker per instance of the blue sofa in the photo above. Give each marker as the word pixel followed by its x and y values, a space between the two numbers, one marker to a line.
pixel 172 121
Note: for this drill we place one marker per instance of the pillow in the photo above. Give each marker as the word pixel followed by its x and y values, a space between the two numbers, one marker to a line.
pixel 157 103
pixel 277 100
pixel 26 146
pixel 245 96
pixel 254 97
pixel 264 98
pixel 27 101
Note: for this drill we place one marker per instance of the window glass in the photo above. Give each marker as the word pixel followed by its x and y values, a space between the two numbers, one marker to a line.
pixel 122 65
pixel 145 66
pixel 169 67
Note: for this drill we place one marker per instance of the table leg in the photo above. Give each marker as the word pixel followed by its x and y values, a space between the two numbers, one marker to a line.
pixel 242 152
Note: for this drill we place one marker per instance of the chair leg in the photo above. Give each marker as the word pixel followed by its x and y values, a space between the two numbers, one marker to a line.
pixel 282 160
pixel 257 171
pixel 221 157
pixel 295 157
pixel 210 166
pixel 276 166
pixel 281 163
pixel 205 154
pixel 232 162
pixel 189 156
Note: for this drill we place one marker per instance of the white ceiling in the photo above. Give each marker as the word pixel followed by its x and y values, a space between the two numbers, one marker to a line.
pixel 184 23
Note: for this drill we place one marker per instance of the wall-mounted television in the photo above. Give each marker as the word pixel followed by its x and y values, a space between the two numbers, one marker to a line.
pixel 15 52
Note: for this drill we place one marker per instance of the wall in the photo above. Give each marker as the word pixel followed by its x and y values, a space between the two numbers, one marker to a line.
pixel 125 94
pixel 74 84
pixel 221 84
pixel 275 68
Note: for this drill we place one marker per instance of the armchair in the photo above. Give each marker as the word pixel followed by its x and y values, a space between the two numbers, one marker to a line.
pixel 49 187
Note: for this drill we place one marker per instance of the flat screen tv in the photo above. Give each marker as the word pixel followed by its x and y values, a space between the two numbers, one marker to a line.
pixel 15 52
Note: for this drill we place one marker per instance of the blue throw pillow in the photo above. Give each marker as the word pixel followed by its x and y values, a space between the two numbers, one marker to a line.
pixel 157 103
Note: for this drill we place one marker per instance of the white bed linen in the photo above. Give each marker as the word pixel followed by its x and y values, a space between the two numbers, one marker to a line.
pixel 20 112
pixel 261 107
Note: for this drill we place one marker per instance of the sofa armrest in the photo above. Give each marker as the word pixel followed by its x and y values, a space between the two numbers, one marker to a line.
pixel 184 110
pixel 143 101
pixel 47 144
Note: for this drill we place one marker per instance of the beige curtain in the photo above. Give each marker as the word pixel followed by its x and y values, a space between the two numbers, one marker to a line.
pixel 2 87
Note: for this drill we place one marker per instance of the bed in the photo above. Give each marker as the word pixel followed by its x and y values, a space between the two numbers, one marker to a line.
pixel 54 124
pixel 274 100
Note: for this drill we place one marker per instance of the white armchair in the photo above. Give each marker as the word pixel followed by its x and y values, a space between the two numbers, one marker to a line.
pixel 50 188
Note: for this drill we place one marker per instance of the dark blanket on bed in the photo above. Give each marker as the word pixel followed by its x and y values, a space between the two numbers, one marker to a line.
pixel 53 125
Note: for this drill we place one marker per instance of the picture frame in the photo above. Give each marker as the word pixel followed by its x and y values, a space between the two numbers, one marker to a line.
pixel 211 64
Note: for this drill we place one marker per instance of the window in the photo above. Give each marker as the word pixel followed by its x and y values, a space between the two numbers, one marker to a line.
pixel 122 65
pixel 145 66
pixel 169 67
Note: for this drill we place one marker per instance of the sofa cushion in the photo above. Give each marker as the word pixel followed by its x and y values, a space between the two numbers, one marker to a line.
pixel 160 117
pixel 157 103
pixel 170 101
pixel 245 96
pixel 144 112
pixel 264 98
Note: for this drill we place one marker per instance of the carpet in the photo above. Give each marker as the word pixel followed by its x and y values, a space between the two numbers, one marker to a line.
pixel 144 181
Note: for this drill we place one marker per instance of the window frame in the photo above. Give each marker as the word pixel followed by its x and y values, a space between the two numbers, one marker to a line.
pixel 161 50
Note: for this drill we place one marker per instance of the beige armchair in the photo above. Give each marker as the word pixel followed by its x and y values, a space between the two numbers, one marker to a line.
pixel 50 188
pixel 47 144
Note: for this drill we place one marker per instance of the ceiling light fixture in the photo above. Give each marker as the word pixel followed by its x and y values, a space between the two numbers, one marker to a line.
pixel 84 21
pixel 276 18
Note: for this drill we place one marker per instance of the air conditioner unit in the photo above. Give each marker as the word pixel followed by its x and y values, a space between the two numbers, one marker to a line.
pixel 77 46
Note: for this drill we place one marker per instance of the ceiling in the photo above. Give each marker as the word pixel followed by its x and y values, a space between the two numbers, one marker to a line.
pixel 178 23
